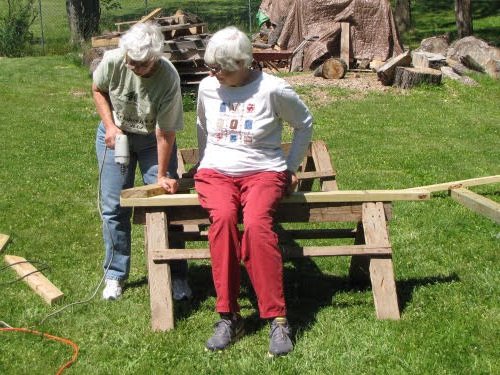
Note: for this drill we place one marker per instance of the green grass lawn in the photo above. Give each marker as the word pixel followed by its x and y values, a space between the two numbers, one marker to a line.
pixel 445 256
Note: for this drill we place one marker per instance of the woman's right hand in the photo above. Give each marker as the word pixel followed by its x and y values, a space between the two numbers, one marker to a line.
pixel 111 133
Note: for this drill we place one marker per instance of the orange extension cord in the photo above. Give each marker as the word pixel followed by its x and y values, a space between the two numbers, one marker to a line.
pixel 54 338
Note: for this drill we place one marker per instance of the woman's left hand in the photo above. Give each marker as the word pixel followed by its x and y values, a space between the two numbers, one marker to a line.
pixel 293 182
pixel 170 185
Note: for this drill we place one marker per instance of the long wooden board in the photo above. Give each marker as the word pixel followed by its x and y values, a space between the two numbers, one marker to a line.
pixel 38 282
pixel 299 197
pixel 458 184
pixel 477 203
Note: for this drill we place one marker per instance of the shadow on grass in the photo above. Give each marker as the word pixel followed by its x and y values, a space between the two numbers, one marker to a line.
pixel 406 288
pixel 307 291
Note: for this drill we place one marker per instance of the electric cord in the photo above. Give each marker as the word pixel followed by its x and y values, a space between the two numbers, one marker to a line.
pixel 44 267
pixel 52 337
pixel 99 209
pixel 43 335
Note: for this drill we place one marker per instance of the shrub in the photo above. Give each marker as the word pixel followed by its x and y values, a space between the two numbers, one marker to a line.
pixel 15 34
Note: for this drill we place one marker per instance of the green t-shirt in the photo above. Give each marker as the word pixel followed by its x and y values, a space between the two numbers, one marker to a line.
pixel 141 104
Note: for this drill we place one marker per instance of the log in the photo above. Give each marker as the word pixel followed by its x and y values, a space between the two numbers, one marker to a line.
pixel 407 78
pixel 386 72
pixel 492 68
pixel 331 69
pixel 458 67
pixel 451 74
pixel 471 63
pixel 428 60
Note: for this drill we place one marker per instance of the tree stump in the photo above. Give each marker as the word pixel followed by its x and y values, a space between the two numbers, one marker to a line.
pixel 331 69
pixel 406 78
pixel 386 72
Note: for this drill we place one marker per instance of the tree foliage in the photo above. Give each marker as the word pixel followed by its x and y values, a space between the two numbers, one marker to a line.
pixel 15 34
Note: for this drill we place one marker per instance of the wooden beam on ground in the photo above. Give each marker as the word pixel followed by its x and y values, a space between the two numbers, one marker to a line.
pixel 298 197
pixel 477 203
pixel 381 268
pixel 38 282
pixel 4 239
pixel 458 184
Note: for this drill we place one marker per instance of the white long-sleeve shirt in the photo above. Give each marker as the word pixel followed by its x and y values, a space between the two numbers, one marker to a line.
pixel 240 128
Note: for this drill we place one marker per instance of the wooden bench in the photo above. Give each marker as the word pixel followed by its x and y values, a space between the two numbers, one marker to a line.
pixel 171 220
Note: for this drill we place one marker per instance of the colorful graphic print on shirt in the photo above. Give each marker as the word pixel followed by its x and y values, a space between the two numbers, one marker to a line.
pixel 235 123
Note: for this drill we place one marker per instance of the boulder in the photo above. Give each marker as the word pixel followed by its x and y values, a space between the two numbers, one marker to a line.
pixel 480 52
pixel 436 44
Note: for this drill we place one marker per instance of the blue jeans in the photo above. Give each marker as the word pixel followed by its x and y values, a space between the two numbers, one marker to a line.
pixel 116 219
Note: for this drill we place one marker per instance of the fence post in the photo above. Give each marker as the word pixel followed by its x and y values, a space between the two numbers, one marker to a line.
pixel 41 26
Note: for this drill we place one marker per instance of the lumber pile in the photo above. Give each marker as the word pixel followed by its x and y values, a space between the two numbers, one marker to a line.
pixel 186 37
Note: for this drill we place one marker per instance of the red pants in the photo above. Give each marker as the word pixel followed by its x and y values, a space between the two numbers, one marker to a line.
pixel 258 196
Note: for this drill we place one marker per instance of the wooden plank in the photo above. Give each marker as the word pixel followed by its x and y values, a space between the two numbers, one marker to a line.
pixel 323 163
pixel 105 42
pixel 167 200
pixel 381 269
pixel 159 278
pixel 160 255
pixel 477 203
pixel 37 281
pixel 345 43
pixel 150 15
pixel 458 184
pixel 153 190
pixel 4 239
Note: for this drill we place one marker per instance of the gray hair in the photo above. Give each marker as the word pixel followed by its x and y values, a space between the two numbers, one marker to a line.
pixel 142 42
pixel 227 48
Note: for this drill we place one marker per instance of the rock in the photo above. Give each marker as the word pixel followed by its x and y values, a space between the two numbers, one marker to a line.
pixel 492 68
pixel 435 44
pixel 480 51
pixel 448 72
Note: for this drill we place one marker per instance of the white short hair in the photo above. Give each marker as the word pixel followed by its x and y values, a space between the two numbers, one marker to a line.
pixel 227 48
pixel 142 42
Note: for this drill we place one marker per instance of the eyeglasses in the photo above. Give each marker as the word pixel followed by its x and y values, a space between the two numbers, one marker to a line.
pixel 133 64
pixel 213 69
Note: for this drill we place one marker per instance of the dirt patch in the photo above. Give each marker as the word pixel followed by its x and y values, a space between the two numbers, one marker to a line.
pixel 359 81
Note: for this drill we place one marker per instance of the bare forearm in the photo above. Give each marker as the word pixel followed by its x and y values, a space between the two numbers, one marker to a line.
pixel 165 141
pixel 103 107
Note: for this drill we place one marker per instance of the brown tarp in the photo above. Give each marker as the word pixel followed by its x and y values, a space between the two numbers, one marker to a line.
pixel 373 32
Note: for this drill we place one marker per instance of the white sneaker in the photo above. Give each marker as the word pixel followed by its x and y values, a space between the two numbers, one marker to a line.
pixel 112 290
pixel 181 289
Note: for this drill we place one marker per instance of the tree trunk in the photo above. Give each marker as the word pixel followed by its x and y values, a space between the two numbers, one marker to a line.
pixel 463 14
pixel 83 19
pixel 402 15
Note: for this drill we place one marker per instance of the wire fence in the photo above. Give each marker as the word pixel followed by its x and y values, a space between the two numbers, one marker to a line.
pixel 51 28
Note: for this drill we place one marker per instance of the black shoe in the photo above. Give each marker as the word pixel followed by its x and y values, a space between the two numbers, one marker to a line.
pixel 227 331
pixel 279 337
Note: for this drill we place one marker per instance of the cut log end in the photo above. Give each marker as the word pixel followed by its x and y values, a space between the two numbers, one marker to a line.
pixel 406 78
pixel 331 69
